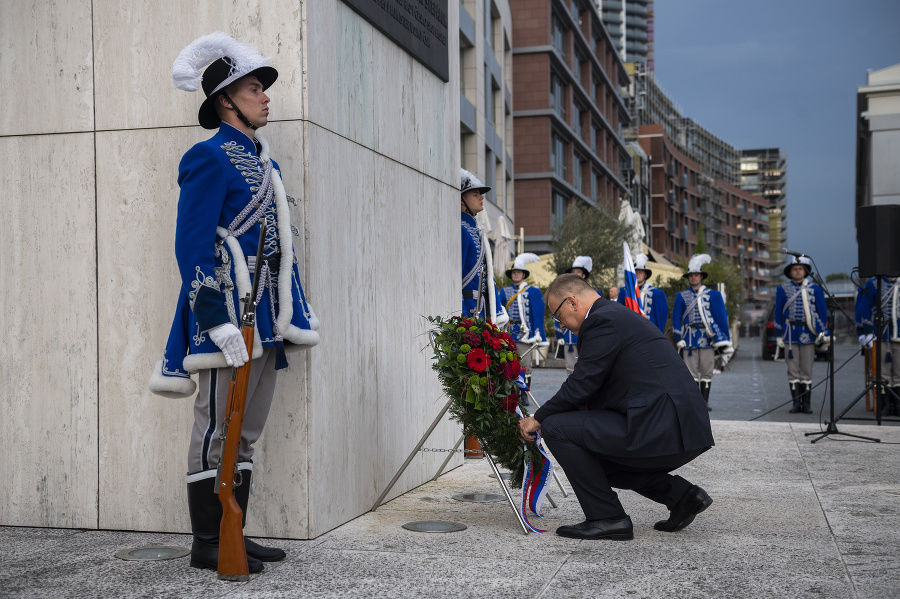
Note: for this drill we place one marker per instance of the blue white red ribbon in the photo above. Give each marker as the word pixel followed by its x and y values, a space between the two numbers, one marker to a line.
pixel 536 482
pixel 632 297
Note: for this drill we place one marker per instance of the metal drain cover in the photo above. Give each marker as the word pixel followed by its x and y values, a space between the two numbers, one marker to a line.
pixel 479 497
pixel 434 526
pixel 503 475
pixel 152 553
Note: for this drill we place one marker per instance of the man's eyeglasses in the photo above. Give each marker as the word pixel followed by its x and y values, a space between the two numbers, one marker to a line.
pixel 555 317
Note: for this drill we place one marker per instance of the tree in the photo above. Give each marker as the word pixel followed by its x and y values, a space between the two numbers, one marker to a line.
pixel 587 231
pixel 720 271
pixel 837 276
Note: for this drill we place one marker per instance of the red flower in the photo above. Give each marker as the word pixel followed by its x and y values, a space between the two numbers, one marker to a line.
pixel 478 360
pixel 510 402
pixel 472 339
pixel 511 370
pixel 495 343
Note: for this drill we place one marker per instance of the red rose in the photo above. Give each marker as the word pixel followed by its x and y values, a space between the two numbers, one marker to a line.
pixel 510 402
pixel 511 370
pixel 478 360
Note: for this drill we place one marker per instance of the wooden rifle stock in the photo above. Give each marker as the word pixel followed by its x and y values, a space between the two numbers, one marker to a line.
pixel 232 563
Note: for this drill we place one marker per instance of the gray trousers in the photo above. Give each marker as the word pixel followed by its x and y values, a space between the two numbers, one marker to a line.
pixel 800 366
pixel 571 354
pixel 525 362
pixel 890 371
pixel 700 362
pixel 210 406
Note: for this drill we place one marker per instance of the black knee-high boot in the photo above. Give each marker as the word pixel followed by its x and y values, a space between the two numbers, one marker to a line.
pixel 263 554
pixel 704 390
pixel 807 399
pixel 206 519
pixel 797 397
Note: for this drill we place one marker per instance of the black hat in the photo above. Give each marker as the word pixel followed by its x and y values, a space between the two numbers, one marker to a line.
pixel 228 60
pixel 798 261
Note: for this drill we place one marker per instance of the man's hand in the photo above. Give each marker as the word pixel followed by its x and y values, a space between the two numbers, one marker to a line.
pixel 229 339
pixel 527 428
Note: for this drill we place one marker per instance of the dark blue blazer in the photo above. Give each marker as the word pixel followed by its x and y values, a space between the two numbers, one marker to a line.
pixel 631 377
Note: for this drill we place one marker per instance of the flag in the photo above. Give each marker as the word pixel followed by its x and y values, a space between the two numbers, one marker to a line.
pixel 632 297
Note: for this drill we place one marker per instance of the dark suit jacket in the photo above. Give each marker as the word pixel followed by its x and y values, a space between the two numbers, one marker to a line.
pixel 644 401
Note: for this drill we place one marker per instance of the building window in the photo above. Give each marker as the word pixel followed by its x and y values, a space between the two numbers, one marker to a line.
pixel 558 160
pixel 559 37
pixel 558 96
pixel 557 208
pixel 595 137
pixel 576 173
pixel 576 121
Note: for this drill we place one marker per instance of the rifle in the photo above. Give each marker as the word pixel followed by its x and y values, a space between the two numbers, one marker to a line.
pixel 232 551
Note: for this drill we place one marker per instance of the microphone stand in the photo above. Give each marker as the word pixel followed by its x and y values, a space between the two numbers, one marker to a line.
pixel 877 384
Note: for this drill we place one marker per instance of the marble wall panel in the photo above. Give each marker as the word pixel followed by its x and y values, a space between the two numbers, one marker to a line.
pixel 143 438
pixel 48 364
pixel 136 42
pixel 343 404
pixel 278 506
pixel 138 287
pixel 46 67
pixel 340 74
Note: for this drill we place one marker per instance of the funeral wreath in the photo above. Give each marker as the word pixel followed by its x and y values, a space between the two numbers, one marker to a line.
pixel 478 367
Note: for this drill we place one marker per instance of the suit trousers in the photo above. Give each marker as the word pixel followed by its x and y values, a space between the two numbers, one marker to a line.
pixel 593 474
pixel 210 406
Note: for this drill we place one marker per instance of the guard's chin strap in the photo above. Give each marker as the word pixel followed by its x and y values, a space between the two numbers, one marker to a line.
pixel 238 112
pixel 468 210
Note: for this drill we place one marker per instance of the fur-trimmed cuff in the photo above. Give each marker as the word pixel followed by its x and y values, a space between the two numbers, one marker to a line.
pixel 719 344
pixel 195 362
pixel 173 387
pixel 313 319
pixel 298 338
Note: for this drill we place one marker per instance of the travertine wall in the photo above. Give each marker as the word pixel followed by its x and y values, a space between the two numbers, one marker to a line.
pixel 92 131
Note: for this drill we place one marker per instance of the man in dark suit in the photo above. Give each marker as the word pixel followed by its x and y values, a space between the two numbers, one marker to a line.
pixel 644 416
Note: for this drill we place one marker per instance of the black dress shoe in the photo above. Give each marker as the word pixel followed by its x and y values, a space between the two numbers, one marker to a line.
pixel 694 501
pixel 614 529
pixel 263 554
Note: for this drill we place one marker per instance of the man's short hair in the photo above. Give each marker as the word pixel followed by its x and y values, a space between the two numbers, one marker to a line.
pixel 566 285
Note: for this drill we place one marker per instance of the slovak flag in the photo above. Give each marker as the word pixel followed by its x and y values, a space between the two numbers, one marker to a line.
pixel 632 297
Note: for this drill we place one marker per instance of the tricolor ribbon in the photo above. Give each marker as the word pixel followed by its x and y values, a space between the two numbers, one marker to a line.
pixel 535 484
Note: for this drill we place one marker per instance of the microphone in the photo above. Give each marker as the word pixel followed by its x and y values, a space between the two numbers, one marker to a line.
pixel 798 254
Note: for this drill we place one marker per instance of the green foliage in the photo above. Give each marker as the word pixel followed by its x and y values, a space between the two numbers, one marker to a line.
pixel 701 239
pixel 720 271
pixel 837 276
pixel 588 231
pixel 477 365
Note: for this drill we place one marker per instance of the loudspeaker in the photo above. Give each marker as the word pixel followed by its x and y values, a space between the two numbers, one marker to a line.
pixel 878 239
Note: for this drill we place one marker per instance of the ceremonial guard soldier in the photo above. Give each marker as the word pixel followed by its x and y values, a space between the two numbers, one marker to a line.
pixel 800 315
pixel 700 325
pixel 229 185
pixel 890 336
pixel 480 297
pixel 525 306
pixel 653 299
pixel 581 266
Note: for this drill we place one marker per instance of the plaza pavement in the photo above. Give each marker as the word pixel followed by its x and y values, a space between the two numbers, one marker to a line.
pixel 790 519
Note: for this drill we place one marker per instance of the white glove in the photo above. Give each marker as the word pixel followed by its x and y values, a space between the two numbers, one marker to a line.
pixel 779 341
pixel 866 340
pixel 229 339
pixel 823 339
pixel 681 344
pixel 727 350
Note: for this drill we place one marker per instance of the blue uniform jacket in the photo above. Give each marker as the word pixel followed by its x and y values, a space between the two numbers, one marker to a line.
pixel 890 308
pixel 706 324
pixel 218 178
pixel 654 303
pixel 473 260
pixel 787 316
pixel 526 318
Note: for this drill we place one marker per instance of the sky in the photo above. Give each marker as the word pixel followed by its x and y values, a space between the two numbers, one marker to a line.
pixel 783 73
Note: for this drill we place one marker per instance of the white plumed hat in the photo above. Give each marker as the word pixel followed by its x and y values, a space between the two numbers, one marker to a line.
pixel 468 182
pixel 226 60
pixel 640 263
pixel 520 262
pixel 585 263
pixel 696 263
pixel 798 260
